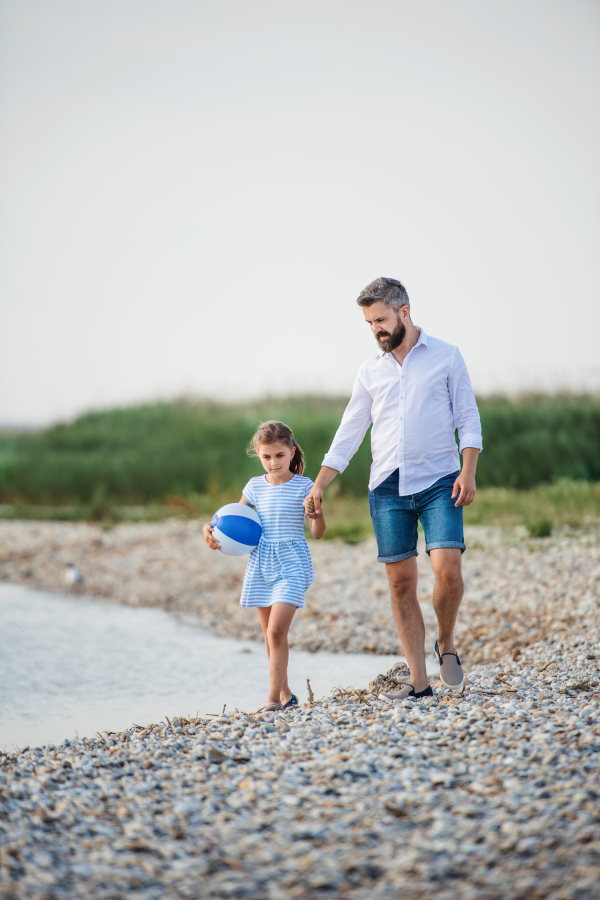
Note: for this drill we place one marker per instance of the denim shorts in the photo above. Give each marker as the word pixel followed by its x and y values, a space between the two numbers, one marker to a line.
pixel 395 518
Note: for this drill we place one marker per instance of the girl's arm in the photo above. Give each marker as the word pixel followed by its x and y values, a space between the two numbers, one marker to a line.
pixel 318 527
pixel 207 531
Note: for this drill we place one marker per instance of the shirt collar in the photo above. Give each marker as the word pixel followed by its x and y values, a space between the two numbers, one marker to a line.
pixel 423 340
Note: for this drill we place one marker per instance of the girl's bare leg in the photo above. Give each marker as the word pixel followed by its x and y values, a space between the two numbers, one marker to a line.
pixel 275 622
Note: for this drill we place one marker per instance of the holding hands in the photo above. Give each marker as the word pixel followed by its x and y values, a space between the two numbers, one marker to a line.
pixel 312 504
pixel 314 513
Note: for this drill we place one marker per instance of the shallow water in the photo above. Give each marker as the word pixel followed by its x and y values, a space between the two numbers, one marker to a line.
pixel 71 665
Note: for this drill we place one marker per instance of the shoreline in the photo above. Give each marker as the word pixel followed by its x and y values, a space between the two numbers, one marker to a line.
pixel 69 663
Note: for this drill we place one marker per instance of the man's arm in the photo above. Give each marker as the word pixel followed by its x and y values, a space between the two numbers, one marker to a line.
pixel 468 425
pixel 312 504
pixel 464 486
pixel 347 440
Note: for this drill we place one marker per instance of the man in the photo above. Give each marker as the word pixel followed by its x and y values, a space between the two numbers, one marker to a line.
pixel 414 391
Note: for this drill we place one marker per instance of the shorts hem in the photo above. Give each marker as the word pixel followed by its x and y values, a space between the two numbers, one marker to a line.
pixel 398 558
pixel 439 545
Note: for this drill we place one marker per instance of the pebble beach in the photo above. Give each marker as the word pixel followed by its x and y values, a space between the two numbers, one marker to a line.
pixel 518 590
pixel 488 793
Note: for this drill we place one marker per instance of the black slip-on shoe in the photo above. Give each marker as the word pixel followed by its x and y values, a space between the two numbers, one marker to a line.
pixel 408 691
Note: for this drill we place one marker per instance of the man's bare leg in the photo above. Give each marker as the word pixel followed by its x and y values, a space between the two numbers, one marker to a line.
pixel 447 593
pixel 408 617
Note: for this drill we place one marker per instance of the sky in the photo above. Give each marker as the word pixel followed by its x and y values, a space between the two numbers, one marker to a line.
pixel 193 194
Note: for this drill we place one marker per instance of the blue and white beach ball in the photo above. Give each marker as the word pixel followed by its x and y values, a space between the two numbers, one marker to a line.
pixel 237 528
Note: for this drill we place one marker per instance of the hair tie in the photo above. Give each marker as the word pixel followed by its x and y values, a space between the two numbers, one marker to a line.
pixel 293 440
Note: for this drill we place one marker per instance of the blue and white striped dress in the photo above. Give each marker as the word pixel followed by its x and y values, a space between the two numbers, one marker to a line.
pixel 280 569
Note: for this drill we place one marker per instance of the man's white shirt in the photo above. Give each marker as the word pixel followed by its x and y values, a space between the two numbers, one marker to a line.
pixel 414 409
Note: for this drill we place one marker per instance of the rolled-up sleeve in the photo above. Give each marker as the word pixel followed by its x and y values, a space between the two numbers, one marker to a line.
pixel 353 427
pixel 464 407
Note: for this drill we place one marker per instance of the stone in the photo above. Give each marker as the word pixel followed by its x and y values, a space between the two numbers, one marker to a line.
pixel 214 755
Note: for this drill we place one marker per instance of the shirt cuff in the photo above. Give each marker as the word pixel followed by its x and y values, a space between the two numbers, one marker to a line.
pixel 335 462
pixel 471 440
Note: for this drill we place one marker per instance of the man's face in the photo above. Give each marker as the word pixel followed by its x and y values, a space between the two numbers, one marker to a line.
pixel 387 326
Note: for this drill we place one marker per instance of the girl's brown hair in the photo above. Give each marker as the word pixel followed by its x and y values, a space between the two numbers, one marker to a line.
pixel 273 432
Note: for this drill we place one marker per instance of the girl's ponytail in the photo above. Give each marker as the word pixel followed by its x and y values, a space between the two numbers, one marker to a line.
pixel 297 463
pixel 270 433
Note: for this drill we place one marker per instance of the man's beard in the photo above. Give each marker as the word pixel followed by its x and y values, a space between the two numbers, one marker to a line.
pixel 389 342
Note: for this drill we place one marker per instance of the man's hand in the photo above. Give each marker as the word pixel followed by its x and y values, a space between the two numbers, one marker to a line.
pixel 464 488
pixel 312 504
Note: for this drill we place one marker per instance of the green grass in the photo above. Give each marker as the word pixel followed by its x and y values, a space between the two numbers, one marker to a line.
pixel 575 504
pixel 538 440
pixel 144 454
pixel 542 509
pixel 147 453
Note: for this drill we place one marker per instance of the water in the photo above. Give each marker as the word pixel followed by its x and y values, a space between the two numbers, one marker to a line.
pixel 72 666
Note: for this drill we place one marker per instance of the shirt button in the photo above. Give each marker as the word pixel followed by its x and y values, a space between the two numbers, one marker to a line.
pixel 400 440
pixel 400 418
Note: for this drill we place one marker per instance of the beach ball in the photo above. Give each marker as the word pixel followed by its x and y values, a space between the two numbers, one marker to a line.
pixel 237 528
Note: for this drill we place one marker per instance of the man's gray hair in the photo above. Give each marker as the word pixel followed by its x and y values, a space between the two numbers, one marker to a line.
pixel 386 290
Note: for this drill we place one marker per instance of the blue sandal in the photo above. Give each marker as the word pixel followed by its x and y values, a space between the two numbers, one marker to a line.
pixel 293 701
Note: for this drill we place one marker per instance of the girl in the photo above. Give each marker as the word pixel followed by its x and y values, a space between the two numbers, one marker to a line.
pixel 280 569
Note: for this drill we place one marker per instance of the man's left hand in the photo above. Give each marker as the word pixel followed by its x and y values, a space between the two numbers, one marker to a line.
pixel 464 488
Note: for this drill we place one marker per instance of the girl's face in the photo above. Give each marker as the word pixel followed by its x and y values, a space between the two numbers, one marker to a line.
pixel 276 458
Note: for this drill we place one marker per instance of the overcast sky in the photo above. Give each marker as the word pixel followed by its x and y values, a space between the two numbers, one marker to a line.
pixel 193 194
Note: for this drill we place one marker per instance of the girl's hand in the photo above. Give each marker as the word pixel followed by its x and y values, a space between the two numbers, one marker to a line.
pixel 212 542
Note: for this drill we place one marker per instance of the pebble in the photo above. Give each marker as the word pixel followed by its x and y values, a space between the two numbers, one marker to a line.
pixel 486 794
